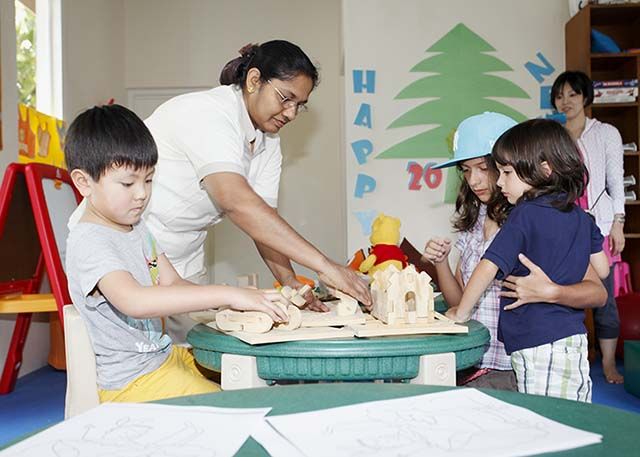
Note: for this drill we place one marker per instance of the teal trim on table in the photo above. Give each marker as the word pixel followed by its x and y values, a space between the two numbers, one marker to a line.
pixel 619 428
pixel 352 359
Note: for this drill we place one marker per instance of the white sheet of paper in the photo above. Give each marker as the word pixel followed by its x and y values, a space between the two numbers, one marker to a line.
pixel 127 429
pixel 462 422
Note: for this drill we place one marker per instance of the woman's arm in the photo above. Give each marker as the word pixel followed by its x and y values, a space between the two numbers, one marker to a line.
pixel 614 176
pixel 232 194
pixel 282 270
pixel 537 287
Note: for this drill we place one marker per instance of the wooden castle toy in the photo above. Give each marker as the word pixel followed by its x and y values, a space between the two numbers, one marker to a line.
pixel 402 296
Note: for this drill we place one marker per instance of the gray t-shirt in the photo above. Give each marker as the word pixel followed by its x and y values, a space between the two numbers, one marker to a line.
pixel 125 348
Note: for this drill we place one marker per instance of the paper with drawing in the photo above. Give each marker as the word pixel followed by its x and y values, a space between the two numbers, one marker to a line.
pixel 463 422
pixel 141 430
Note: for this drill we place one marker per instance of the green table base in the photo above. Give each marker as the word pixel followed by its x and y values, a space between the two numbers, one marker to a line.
pixel 353 359
pixel 619 428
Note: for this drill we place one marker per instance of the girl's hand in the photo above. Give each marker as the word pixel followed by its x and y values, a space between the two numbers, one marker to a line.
pixel 455 315
pixel 437 250
pixel 260 300
pixel 616 238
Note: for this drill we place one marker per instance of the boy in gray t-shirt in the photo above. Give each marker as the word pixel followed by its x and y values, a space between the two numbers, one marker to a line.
pixel 119 278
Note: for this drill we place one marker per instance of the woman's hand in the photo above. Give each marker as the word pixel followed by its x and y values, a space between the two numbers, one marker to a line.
pixel 260 300
pixel 437 250
pixel 616 238
pixel 347 281
pixel 535 287
pixel 311 301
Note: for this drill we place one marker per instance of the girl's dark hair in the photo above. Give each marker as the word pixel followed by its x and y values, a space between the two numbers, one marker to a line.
pixel 277 59
pixel 106 136
pixel 468 204
pixel 579 82
pixel 526 145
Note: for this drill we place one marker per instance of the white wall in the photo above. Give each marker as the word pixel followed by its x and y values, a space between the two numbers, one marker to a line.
pixel 186 43
pixel 93 43
pixel 517 31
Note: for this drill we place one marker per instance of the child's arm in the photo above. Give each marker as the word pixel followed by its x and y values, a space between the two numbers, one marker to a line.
pixel 600 263
pixel 437 252
pixel 175 295
pixel 481 278
pixel 537 287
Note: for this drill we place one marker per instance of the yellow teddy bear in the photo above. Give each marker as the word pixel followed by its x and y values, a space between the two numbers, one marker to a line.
pixel 385 235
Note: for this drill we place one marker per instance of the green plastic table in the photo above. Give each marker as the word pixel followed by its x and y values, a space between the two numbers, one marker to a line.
pixel 618 428
pixel 423 359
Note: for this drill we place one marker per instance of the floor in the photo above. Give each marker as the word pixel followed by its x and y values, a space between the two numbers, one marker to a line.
pixel 38 401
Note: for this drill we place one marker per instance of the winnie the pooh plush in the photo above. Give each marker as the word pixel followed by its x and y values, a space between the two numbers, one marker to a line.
pixel 384 250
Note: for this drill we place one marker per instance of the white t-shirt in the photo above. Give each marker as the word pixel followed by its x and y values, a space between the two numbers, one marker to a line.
pixel 199 134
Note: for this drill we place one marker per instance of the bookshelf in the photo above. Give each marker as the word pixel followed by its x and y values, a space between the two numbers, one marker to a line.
pixel 622 23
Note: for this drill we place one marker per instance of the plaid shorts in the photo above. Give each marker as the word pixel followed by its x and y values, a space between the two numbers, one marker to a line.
pixel 559 369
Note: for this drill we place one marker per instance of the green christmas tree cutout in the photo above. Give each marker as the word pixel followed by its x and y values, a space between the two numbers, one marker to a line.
pixel 462 86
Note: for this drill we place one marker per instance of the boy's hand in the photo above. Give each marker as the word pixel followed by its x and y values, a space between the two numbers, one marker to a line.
pixel 454 313
pixel 437 250
pixel 260 300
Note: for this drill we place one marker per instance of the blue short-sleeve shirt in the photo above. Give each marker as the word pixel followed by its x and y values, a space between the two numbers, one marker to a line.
pixel 560 243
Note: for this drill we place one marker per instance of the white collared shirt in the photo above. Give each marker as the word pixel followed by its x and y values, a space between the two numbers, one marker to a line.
pixel 199 134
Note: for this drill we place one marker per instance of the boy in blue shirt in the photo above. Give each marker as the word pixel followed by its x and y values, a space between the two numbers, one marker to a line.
pixel 542 174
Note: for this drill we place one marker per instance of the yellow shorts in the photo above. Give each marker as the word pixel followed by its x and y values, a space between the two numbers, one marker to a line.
pixel 176 377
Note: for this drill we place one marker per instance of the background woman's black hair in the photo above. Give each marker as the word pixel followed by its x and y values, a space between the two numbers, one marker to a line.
pixel 277 59
pixel 579 82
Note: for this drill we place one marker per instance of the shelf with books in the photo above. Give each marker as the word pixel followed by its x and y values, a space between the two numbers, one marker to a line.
pixel 616 105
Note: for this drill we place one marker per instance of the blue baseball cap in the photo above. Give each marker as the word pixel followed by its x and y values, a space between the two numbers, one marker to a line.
pixel 476 135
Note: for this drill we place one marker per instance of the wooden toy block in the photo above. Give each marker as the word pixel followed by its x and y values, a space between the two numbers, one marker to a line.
pixel 248 321
pixel 347 305
pixel 295 296
pixel 295 318
pixel 250 280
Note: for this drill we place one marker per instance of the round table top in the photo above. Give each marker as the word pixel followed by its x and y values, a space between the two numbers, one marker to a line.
pixel 618 428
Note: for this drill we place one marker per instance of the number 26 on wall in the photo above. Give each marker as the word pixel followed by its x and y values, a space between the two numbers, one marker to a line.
pixel 432 178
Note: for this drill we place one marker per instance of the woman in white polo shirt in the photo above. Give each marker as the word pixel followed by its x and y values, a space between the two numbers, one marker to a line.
pixel 219 155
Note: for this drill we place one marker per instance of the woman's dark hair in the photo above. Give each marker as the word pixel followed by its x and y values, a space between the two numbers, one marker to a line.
pixel 526 145
pixel 579 82
pixel 468 204
pixel 107 136
pixel 277 59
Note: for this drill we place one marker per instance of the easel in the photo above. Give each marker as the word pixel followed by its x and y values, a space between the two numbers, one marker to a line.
pixel 30 241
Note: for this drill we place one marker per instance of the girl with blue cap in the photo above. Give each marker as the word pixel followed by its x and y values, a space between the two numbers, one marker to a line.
pixel 480 211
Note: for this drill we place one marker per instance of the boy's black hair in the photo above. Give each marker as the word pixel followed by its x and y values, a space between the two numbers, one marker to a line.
pixel 579 82
pixel 106 136
pixel 526 145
